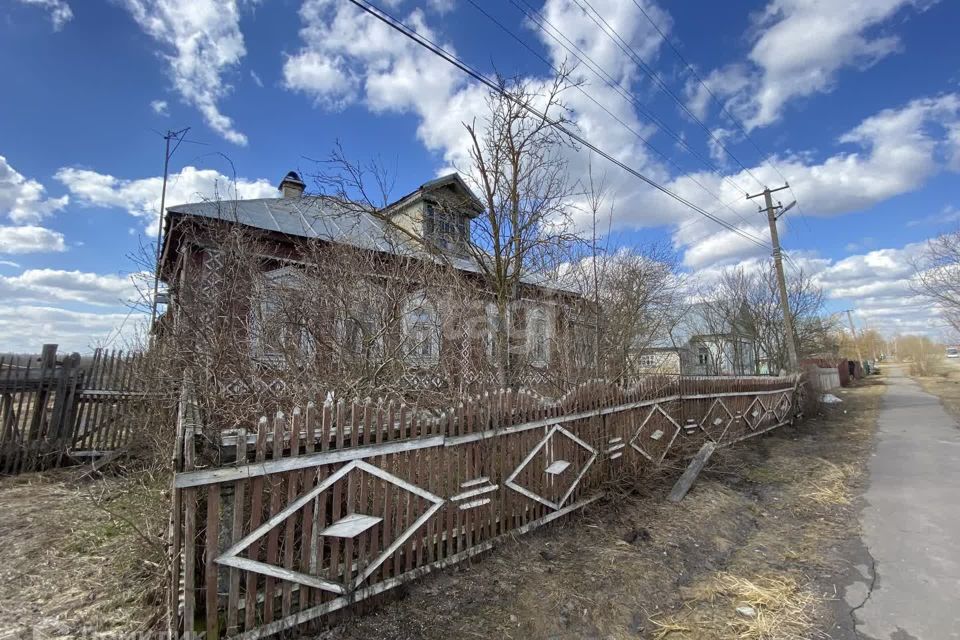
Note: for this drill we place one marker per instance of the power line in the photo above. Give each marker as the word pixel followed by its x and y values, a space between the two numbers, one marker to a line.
pixel 540 20
pixel 653 75
pixel 628 97
pixel 439 51
pixel 736 121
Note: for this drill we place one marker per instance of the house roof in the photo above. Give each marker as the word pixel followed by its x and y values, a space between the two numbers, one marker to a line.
pixel 325 218
pixel 450 180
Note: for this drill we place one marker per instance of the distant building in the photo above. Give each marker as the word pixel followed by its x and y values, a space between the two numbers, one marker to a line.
pixel 706 341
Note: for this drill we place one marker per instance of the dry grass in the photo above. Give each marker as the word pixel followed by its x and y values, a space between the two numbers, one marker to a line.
pixel 86 555
pixel 944 382
pixel 725 605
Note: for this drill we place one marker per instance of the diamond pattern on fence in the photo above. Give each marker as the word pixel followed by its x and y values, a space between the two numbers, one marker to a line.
pixel 349 526
pixel 655 435
pixel 717 420
pixel 554 471
pixel 755 413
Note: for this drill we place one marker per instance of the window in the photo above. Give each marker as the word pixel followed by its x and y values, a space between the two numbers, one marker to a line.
pixel 275 327
pixel 648 361
pixel 422 331
pixel 360 332
pixel 703 356
pixel 538 337
pixel 448 229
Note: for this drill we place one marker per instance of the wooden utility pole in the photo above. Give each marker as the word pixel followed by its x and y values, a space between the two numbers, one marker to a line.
pixel 853 332
pixel 772 217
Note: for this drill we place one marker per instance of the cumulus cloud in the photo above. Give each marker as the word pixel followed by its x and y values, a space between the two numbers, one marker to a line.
pixel 204 42
pixel 878 284
pixel 21 324
pixel 69 286
pixel 141 197
pixel 30 239
pixel 896 151
pixel 23 200
pixel 348 58
pixel 799 47
pixel 59 11
pixel 160 107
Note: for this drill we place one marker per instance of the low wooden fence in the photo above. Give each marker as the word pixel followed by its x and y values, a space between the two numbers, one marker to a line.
pixel 53 411
pixel 311 511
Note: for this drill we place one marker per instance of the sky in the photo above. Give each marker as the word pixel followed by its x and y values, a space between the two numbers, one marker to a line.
pixel 855 104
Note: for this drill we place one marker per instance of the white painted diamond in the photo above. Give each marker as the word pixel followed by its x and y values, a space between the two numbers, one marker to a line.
pixel 557 429
pixel 350 526
pixel 557 467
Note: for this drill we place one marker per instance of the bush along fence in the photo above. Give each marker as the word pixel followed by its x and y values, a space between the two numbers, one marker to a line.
pixel 57 411
pixel 317 509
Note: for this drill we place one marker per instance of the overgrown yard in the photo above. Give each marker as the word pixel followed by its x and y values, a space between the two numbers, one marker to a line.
pixel 82 556
pixel 754 551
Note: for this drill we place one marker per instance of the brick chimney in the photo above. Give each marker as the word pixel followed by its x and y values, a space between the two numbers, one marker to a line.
pixel 291 186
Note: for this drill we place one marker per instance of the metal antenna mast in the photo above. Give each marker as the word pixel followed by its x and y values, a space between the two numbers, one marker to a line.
pixel 168 153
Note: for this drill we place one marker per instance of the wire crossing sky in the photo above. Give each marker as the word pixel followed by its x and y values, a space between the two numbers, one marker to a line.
pixel 681 109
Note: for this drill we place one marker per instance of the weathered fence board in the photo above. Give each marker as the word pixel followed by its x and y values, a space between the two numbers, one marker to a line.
pixel 53 411
pixel 329 505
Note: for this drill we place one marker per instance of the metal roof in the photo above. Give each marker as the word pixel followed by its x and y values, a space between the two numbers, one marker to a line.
pixel 327 219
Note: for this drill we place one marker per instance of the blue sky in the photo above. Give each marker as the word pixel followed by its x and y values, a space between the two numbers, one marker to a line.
pixel 857 103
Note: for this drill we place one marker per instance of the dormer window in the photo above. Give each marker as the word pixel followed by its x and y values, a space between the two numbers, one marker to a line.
pixel 446 229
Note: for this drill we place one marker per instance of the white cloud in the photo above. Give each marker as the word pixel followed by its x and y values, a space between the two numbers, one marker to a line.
pixel 23 327
pixel 30 239
pixel 60 12
pixel 898 151
pixel 160 107
pixel 205 42
pixel 256 78
pixel 22 199
pixel 9 263
pixel 69 286
pixel 441 6
pixel 141 198
pixel 799 47
pixel 347 57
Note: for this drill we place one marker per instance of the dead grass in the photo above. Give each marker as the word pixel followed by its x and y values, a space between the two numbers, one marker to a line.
pixel 733 606
pixel 944 382
pixel 86 556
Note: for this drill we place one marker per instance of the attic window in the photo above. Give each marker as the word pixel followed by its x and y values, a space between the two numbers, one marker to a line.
pixel 447 229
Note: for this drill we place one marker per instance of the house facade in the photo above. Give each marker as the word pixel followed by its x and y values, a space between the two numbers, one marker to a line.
pixel 706 341
pixel 394 292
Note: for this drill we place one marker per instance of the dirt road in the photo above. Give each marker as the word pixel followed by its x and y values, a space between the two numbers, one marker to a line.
pixel 911 521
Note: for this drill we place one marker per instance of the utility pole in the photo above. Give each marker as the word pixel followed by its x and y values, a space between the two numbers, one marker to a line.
pixel 772 217
pixel 853 331
pixel 171 135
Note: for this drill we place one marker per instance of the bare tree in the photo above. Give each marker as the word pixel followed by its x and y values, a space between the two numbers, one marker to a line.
pixel 937 275
pixel 519 171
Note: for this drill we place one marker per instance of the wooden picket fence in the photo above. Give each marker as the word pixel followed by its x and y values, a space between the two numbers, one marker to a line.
pixel 311 511
pixel 57 411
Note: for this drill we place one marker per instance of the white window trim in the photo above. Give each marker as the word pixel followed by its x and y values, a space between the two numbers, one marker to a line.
pixel 533 315
pixel 288 275
pixel 414 302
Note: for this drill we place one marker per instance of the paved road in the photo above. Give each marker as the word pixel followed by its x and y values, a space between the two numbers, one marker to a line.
pixel 911 522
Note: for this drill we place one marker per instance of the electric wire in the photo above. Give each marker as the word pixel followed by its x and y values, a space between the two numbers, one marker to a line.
pixel 439 51
pixel 630 98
